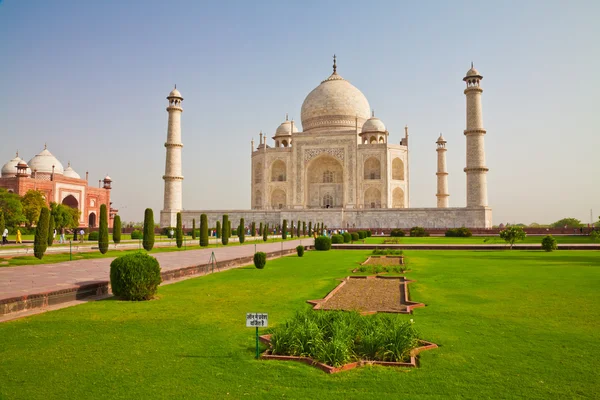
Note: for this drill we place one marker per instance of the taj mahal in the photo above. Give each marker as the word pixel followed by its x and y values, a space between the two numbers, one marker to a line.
pixel 338 167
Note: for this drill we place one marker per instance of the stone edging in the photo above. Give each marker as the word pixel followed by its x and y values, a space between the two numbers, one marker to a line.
pixel 401 257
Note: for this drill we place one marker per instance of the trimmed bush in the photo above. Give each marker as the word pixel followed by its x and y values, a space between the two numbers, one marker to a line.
pixel 549 243
pixel 194 229
pixel 135 276
pixel 284 230
pixel 299 229
pixel 260 229
pixel 368 233
pixel 260 259
pixel 337 239
pixel 218 230
pixel 51 226
pixel 397 233
pixel 300 250
pixel 242 231
pixel 103 230
pixel 40 241
pixel 417 231
pixel 179 232
pixel 225 230
pixel 309 228
pixel 93 235
pixel 362 234
pixel 148 240
pixel 354 236
pixel 137 234
pixel 459 232
pixel 322 243
pixel 117 227
pixel 204 230
pixel 347 237
pixel 265 232
pixel 253 229
pixel 303 228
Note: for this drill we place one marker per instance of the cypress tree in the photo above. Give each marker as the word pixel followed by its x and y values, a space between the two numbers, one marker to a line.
pixel 265 232
pixel 103 230
pixel 284 230
pixel 148 240
pixel 260 228
pixel 292 230
pixel 204 230
pixel 51 226
pixel 74 235
pixel 298 229
pixel 253 229
pixel 194 229
pixel 229 229
pixel 309 228
pixel 218 230
pixel 2 223
pixel 303 228
pixel 40 242
pixel 225 233
pixel 179 232
pixel 117 230
pixel 242 231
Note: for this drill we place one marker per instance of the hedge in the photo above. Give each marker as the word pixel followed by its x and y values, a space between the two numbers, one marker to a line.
pixel 459 232
pixel 93 236
pixel 135 276
pixel 549 243
pixel 265 232
pixel 218 230
pixel 179 232
pixel 137 234
pixel 194 229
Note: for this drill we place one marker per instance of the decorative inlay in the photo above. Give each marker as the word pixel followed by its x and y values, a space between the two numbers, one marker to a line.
pixel 334 152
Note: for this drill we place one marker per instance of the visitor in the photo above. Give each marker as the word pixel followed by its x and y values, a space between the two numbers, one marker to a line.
pixel 5 236
pixel 53 235
pixel 171 234
pixel 81 233
pixel 19 239
pixel 62 235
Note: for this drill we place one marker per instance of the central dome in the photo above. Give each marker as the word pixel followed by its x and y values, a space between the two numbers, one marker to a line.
pixel 44 161
pixel 334 105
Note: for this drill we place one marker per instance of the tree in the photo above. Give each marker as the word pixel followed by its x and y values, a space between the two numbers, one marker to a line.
pixel 148 240
pixel 10 204
pixel 260 229
pixel 309 228
pixel 65 216
pixel 253 229
pixel 299 229
pixel 33 201
pixel 303 228
pixel 40 242
pixel 179 232
pixel 512 234
pixel 117 230
pixel 194 229
pixel 549 243
pixel 242 231
pixel 568 222
pixel 265 232
pixel 284 230
pixel 292 230
pixel 2 223
pixel 218 230
pixel 225 231
pixel 204 230
pixel 51 228
pixel 103 230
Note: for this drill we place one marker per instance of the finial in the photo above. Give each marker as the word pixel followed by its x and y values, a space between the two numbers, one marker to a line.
pixel 45 146
pixel 334 64
pixel 286 116
pixel 17 153
pixel 372 113
pixel 471 64
pixel 175 86
pixel 68 164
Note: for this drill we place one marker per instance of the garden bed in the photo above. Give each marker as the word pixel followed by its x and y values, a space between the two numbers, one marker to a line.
pixel 384 260
pixel 369 295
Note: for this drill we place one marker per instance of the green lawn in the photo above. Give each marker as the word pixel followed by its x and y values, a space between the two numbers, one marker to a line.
pixel 503 329
pixel 475 240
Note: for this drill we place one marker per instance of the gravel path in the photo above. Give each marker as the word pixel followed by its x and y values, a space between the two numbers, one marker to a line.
pixel 368 295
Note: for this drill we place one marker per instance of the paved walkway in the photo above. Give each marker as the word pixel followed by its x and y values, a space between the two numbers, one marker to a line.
pixel 33 279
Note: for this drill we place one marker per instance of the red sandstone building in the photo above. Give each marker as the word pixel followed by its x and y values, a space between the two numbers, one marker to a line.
pixel 58 184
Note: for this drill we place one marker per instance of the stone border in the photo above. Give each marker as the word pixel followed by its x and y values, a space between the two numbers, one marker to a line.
pixel 401 257
pixel 415 246
pixel 266 339
pixel 102 288
pixel 410 305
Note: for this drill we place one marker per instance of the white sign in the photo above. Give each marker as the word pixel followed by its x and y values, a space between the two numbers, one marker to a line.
pixel 257 320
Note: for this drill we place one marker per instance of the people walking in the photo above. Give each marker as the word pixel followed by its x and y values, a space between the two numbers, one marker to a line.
pixel 81 233
pixel 62 235
pixel 19 238
pixel 5 236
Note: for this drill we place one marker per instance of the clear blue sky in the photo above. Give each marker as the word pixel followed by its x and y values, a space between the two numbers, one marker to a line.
pixel 90 78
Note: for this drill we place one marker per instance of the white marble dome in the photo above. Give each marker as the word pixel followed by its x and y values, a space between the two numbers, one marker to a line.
pixel 334 104
pixel 43 162
pixel 373 124
pixel 10 168
pixel 175 93
pixel 70 172
pixel 286 128
pixel 472 72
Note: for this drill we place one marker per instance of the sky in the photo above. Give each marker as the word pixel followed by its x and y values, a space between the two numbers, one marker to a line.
pixel 89 78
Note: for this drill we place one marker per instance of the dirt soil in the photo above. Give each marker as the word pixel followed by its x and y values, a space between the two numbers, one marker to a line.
pixel 368 295
pixel 389 260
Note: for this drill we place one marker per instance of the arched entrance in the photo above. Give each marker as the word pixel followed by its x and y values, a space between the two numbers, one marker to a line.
pixel 278 199
pixel 324 183
pixel 92 220
pixel 71 201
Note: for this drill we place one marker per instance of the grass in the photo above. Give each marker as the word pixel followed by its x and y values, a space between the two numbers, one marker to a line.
pixel 378 269
pixel 475 240
pixel 504 331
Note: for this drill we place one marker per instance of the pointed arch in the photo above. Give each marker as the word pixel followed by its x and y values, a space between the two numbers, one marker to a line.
pixel 372 168
pixel 278 171
pixel 398 198
pixel 372 198
pixel 397 169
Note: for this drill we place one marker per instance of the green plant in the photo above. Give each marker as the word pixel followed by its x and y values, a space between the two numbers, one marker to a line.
pixel 204 230
pixel 135 276
pixel 397 233
pixel 179 231
pixel 284 230
pixel 253 229
pixel 512 234
pixel 260 259
pixel 51 227
pixel 194 229
pixel 369 233
pixel 337 239
pixel 595 236
pixel 136 234
pixel 93 236
pixel 549 243
pixel 242 231
pixel 322 243
pixel 418 231
pixel 40 241
pixel 265 232
pixel 387 252
pixel 2 223
pixel 103 230
pixel 117 229
pixel 300 250
pixel 225 234
pixel 218 230
pixel 459 232
pixel 347 237
pixel 148 240
pixel 292 230
pixel 309 228
pixel 354 236
pixel 260 229
pixel 362 234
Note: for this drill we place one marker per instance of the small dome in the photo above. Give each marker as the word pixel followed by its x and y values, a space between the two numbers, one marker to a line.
pixel 10 168
pixel 107 179
pixel 373 124
pixel 441 139
pixel 473 72
pixel 175 93
pixel 286 128
pixel 70 172
pixel 43 162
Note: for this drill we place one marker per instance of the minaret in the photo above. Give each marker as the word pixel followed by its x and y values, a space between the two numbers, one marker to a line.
pixel 442 174
pixel 173 178
pixel 476 169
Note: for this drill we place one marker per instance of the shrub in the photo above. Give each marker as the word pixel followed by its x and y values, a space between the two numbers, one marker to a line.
pixel 225 230
pixel 309 228
pixel 397 233
pixel 595 236
pixel 418 231
pixel 148 240
pixel 299 229
pixel 242 231
pixel 284 230
pixel 253 229
pixel 51 227
pixel 459 232
pixel 40 241
pixel 387 252
pixel 260 229
pixel 135 276
pixel 260 259
pixel 549 243
pixel 511 234
pixel 103 230
pixel 354 236
pixel 204 230
pixel 337 239
pixel 179 232
pixel 347 237
pixel 117 227
pixel 194 229
pixel 93 235
pixel 265 232
pixel 322 243
pixel 137 234
pixel 300 250
pixel 292 230
pixel 368 233
pixel 218 230
pixel 362 234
